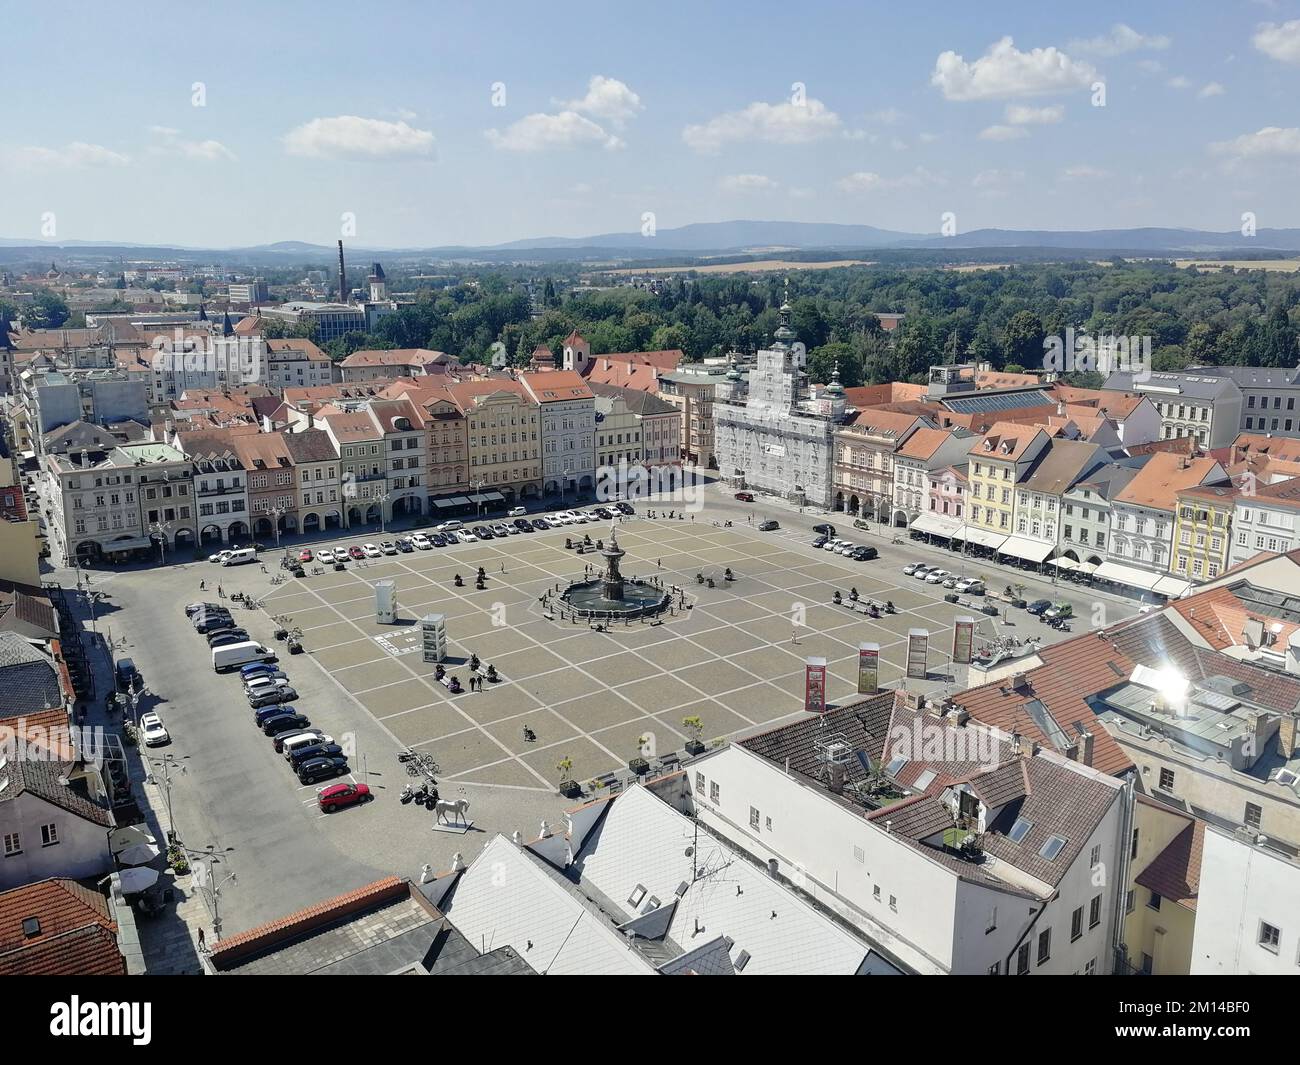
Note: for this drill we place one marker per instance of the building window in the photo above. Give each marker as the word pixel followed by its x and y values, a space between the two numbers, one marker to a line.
pixel 875 892
pixel 1094 858
pixel 995 969
pixel 1022 960
pixel 1130 901
pixel 699 783
pixel 715 792
pixel 13 844
pixel 893 903
pixel 1254 815
pixel 1167 779
pixel 49 834
pixel 1153 903
pixel 1044 946
pixel 1076 924
pixel 1091 968
pixel 1094 912
pixel 753 818
pixel 1269 936
pixel 1134 852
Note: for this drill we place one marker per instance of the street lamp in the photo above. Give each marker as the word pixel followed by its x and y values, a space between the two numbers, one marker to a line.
pixel 168 762
pixel 276 513
pixel 206 882
pixel 478 498
pixel 161 529
pixel 381 499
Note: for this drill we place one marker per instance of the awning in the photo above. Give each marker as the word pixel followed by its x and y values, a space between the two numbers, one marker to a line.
pixel 130 543
pixel 1173 587
pixel 443 504
pixel 493 497
pixel 459 501
pixel 1024 547
pixel 935 525
pixel 1063 563
pixel 1130 575
pixel 1088 567
pixel 983 537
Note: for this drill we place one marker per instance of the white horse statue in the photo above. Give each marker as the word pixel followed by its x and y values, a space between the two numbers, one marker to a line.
pixel 443 807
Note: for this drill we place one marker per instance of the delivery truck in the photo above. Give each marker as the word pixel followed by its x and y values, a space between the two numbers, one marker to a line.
pixel 234 655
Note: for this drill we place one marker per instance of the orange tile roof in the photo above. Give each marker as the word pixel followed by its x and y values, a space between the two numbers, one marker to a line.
pixel 1158 483
pixel 644 377
pixel 923 443
pixel 1005 432
pixel 551 386
pixel 76 938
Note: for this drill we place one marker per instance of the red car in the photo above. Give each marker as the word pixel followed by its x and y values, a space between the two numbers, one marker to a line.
pixel 337 796
pixel 305 555
pixel 745 497
pixel 355 552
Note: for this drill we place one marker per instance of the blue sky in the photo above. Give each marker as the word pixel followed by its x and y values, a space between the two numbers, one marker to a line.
pixel 313 110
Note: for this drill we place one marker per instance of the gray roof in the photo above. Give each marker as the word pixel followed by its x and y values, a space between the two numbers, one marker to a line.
pixel 986 402
pixel 48 780
pixel 638 402
pixel 29 679
pixel 1253 376
pixel 1107 481
pixel 1174 385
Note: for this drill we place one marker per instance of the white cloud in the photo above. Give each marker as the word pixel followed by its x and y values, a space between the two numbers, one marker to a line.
pixel 1179 82
pixel 74 156
pixel 1211 88
pixel 996 182
pixel 1020 115
pixel 802 193
pixel 607 98
pixel 869 181
pixel 1280 42
pixel 539 132
pixel 889 116
pixel 747 183
pixel 1121 38
pixel 1263 143
pixel 1003 133
pixel 1151 66
pixel 784 123
pixel 208 151
pixel 1084 173
pixel 1005 72
pixel 350 137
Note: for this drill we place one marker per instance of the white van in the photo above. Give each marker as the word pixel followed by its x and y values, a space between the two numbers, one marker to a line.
pixel 238 558
pixel 516 512
pixel 234 655
pixel 306 738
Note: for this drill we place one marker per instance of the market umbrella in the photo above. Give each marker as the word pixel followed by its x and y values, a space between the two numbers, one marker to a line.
pixel 128 837
pixel 138 854
pixel 136 880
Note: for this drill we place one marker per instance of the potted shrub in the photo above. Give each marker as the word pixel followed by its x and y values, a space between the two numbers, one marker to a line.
pixel 568 786
pixel 639 765
pixel 695 726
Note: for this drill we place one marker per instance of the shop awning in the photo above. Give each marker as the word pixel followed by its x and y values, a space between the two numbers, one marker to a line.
pixel 1130 575
pixel 1088 567
pixel 443 504
pixel 130 543
pixel 935 525
pixel 459 501
pixel 983 537
pixel 1024 547
pixel 1173 587
pixel 1063 563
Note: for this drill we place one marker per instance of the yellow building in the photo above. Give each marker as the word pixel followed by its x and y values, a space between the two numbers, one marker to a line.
pixel 503 430
pixel 998 461
pixel 1164 879
pixel 1203 531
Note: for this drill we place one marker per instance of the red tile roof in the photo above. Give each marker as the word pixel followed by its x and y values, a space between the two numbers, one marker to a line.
pixel 76 936
pixel 1158 483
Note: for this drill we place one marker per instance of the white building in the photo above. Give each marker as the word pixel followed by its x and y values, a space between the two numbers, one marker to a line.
pixel 772 432
pixel 998 858
pixel 568 419
pixel 1247 923
pixel 1266 521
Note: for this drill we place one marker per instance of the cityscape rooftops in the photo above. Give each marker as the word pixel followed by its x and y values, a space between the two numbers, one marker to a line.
pixel 1158 483
pixel 57 928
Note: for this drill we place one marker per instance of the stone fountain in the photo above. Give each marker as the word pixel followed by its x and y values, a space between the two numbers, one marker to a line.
pixel 612 596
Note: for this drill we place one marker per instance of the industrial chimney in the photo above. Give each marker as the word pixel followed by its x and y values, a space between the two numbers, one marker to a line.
pixel 343 280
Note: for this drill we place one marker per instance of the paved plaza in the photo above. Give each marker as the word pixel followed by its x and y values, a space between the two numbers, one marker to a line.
pixel 734 658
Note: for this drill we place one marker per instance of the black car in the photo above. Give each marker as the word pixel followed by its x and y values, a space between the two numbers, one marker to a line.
pixel 820 542
pixel 225 639
pixel 315 769
pixel 284 722
pixel 605 513
pixel 826 529
pixel 262 713
pixel 482 532
pixel 864 554
pixel 223 630
pixel 625 508
pixel 437 539
pixel 200 608
pixel 125 672
pixel 405 546
pixel 314 750
pixel 1039 605
pixel 768 526
pixel 523 525
pixel 211 622
pixel 541 524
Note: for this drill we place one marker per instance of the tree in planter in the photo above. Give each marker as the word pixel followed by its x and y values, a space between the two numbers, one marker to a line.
pixel 565 768
pixel 695 726
pixel 639 764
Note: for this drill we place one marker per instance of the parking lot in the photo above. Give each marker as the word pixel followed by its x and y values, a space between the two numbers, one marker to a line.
pixel 734 659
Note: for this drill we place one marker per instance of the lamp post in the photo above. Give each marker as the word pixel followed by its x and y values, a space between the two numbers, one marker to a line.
pixel 168 762
pixel 382 498
pixel 209 885
pixel 161 529
pixel 276 513
pixel 478 498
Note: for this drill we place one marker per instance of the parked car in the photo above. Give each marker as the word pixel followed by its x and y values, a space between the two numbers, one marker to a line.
pixel 1059 610
pixel 523 525
pixel 283 723
pixel 315 769
pixel 355 553
pixel 864 554
pixel 846 548
pixel 371 551
pixel 421 541
pixel 261 699
pixel 303 752
pixel 405 546
pixel 325 557
pixel 441 540
pixel 464 536
pixel 970 586
pixel 388 547
pixel 768 526
pixel 228 638
pixel 819 542
pixel 305 555
pixel 915 569
pixel 124 672
pixel 502 531
pixel 337 796
pixel 516 512
pixel 625 508
pixel 198 608
pixel 153 731
pixel 604 514
pixel 219 557
pixel 208 622
pixel 825 528
pixel 287 742
pixel 831 544
pixel 257 685
pixel 1039 606
pixel 270 672
pixel 262 713
pixel 937 576
pixel 449 526
pixel 745 497
pixel 482 532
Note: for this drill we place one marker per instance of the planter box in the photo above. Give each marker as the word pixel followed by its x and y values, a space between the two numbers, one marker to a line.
pixel 639 766
pixel 695 747
pixel 570 789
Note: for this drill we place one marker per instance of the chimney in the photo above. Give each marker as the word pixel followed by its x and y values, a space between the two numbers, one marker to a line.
pixel 836 781
pixel 1286 736
pixel 1085 744
pixel 343 280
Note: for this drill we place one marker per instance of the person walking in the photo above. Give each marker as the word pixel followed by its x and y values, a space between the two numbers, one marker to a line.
pixel 203 942
pixel 202 585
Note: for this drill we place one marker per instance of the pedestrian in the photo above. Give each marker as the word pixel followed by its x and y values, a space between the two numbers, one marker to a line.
pixel 202 585
pixel 221 593
pixel 659 563
pixel 203 942
pixel 503 567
